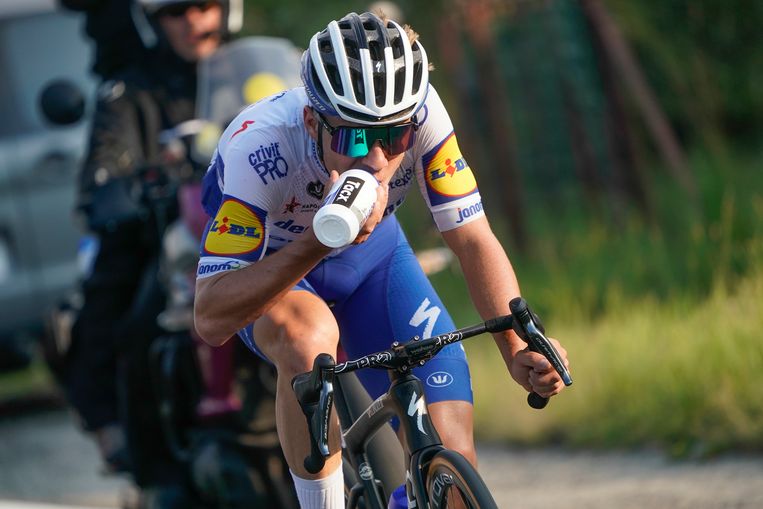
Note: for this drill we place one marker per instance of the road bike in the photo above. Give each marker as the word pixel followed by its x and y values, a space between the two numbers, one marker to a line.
pixel 435 476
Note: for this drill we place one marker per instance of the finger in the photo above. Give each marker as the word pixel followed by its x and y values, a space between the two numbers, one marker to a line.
pixel 535 361
pixel 376 215
pixel 545 387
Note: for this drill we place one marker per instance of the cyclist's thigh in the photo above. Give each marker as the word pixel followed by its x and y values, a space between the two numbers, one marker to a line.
pixel 301 302
pixel 397 302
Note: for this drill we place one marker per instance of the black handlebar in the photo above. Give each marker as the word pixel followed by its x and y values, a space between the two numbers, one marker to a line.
pixel 315 389
pixel 527 325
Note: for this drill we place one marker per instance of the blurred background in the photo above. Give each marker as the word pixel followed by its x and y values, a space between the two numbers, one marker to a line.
pixel 619 150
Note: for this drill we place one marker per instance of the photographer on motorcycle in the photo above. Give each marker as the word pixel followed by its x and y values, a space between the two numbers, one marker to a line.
pixel 107 377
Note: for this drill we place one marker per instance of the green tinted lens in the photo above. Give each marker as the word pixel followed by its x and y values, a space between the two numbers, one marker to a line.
pixel 357 141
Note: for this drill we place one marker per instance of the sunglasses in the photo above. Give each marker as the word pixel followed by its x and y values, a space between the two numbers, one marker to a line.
pixel 179 9
pixel 357 141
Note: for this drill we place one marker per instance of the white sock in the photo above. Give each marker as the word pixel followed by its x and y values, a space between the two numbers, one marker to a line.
pixel 326 493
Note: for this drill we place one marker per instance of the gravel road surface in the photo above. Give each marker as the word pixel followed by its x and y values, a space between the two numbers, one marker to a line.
pixel 45 460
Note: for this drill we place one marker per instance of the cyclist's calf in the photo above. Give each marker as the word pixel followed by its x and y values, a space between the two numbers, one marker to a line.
pixel 454 423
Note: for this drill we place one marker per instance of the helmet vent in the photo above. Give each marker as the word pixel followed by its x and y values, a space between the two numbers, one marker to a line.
pixel 399 85
pixel 351 47
pixel 357 85
pixel 418 71
pixel 397 48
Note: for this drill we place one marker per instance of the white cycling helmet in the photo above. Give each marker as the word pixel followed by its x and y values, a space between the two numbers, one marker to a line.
pixel 365 70
pixel 233 13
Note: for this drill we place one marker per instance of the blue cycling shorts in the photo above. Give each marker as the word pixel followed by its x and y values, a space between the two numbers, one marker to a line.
pixel 379 294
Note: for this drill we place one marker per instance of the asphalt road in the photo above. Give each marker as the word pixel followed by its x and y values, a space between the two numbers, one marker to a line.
pixel 44 459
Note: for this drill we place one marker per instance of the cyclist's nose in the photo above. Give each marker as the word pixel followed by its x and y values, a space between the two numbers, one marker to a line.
pixel 376 157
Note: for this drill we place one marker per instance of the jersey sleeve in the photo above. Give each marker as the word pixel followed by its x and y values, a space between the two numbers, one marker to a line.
pixel 254 169
pixel 444 177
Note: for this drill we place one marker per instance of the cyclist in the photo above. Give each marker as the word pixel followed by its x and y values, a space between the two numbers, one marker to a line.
pixel 366 103
pixel 139 101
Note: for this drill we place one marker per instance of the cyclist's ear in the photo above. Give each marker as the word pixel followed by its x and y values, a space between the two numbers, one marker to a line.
pixel 311 122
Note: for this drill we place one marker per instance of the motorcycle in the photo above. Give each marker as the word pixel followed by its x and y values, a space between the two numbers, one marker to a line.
pixel 209 440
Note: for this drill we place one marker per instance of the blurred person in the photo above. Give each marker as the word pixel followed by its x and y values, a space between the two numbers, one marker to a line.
pixel 366 104
pixel 387 9
pixel 142 98
pixel 109 24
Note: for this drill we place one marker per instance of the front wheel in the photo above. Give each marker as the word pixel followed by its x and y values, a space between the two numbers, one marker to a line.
pixel 452 482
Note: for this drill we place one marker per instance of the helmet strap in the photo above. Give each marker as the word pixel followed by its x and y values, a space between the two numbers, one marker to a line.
pixel 319 144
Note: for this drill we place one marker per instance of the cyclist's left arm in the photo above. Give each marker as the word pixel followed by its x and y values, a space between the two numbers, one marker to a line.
pixel 492 284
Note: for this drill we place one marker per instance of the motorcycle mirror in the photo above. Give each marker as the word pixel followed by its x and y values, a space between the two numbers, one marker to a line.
pixel 62 103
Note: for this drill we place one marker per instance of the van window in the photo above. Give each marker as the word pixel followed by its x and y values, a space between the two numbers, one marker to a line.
pixel 33 51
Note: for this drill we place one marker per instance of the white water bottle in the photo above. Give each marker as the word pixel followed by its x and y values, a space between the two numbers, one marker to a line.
pixel 350 202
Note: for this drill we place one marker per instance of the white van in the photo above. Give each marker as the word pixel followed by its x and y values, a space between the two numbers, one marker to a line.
pixel 39 162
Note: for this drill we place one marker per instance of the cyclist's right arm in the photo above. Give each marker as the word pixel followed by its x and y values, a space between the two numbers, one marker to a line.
pixel 236 283
pixel 227 302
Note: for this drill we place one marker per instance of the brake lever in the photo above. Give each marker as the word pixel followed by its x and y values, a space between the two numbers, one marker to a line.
pixel 315 394
pixel 528 327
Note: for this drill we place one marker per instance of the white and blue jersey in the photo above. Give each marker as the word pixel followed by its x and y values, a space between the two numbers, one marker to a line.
pixel 265 184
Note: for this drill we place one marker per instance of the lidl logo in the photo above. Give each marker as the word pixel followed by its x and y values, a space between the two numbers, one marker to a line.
pixel 237 230
pixel 448 175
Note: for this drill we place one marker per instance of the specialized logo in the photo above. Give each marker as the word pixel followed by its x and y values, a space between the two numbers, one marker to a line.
pixel 417 406
pixel 236 230
pixel 244 126
pixel 440 379
pixel 316 189
pixel 448 176
pixel 268 162
pixel 426 314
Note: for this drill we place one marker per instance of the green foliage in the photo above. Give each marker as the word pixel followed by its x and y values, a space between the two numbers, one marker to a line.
pixel 663 323
pixel 705 61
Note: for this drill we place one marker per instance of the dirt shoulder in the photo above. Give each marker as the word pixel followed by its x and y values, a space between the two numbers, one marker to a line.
pixel 558 479
pixel 44 458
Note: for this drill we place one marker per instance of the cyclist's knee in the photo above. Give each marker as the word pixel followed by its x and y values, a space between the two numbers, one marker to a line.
pixel 294 332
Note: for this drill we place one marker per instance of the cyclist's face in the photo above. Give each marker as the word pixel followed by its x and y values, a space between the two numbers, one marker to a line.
pixel 378 160
pixel 193 31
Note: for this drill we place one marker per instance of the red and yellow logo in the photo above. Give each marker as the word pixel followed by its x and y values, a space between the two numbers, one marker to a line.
pixel 236 230
pixel 448 175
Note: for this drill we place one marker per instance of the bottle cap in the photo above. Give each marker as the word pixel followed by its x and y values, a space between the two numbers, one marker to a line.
pixel 335 225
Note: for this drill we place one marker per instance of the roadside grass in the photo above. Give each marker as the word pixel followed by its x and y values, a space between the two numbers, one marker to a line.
pixel 30 381
pixel 680 376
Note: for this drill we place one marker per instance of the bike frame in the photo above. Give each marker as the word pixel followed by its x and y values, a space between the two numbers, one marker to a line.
pixel 405 400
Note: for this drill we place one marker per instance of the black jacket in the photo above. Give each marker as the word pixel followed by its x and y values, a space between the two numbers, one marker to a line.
pixel 131 112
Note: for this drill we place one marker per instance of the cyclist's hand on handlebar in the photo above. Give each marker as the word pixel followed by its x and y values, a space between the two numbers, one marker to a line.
pixel 532 371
